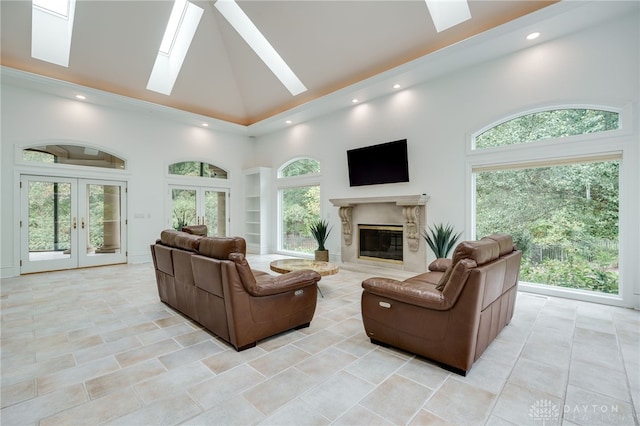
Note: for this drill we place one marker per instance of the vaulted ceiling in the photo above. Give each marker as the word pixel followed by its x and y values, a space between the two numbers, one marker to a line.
pixel 330 45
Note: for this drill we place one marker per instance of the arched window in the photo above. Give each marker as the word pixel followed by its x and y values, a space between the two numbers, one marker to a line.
pixel 299 204
pixel 77 155
pixel 550 124
pixel 300 167
pixel 197 168
pixel 559 201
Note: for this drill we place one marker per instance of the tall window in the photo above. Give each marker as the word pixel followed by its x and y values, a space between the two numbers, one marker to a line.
pixel 299 204
pixel 562 213
pixel 199 195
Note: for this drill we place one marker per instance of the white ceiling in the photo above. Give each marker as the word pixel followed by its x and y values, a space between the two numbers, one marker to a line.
pixel 334 47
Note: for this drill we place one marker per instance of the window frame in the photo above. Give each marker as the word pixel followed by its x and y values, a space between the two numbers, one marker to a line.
pixel 288 182
pixel 576 148
pixel 471 147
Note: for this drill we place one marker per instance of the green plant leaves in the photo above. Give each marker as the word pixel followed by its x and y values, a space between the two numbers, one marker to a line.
pixel 441 239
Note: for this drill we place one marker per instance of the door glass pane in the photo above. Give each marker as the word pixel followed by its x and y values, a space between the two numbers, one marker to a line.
pixel 300 207
pixel 103 219
pixel 49 232
pixel 183 207
pixel 215 214
pixel 563 218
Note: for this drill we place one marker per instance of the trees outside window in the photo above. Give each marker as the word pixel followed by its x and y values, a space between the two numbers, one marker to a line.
pixel 563 214
pixel 299 206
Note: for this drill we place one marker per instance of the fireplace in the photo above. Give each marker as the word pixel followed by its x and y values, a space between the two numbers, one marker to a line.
pixel 380 242
pixel 398 245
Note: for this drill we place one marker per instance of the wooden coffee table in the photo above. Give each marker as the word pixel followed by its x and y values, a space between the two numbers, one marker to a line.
pixel 282 266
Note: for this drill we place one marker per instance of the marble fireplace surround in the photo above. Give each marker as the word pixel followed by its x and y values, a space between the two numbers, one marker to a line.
pixel 408 211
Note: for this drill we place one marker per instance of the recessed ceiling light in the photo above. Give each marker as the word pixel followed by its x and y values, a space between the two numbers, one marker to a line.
pixel 205 124
pixel 81 97
pixel 396 86
pixel 288 121
pixel 354 100
pixel 533 36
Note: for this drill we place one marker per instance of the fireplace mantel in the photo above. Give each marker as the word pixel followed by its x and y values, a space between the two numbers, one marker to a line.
pixel 409 210
pixel 400 200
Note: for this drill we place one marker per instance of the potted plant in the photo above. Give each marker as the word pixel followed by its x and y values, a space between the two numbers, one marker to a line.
pixel 441 239
pixel 320 230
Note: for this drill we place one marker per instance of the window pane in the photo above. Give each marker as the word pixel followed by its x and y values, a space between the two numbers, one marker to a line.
pixel 563 218
pixel 547 125
pixel 301 167
pixel 300 207
pixel 49 220
pixel 184 208
pixel 72 154
pixel 104 218
pixel 197 168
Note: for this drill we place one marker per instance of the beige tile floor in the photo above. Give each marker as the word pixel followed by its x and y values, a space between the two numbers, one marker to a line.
pixel 96 346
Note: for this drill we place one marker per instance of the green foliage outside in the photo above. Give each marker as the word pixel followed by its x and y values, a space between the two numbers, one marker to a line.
pixel 547 125
pixel 184 210
pixel 564 218
pixel 43 217
pixel 197 168
pixel 301 167
pixel 300 208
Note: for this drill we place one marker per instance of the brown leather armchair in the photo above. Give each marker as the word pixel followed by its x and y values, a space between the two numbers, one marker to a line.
pixel 210 280
pixel 450 317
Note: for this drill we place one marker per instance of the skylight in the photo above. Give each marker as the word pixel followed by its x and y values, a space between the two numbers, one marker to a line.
pixel 254 38
pixel 181 28
pixel 51 30
pixel 448 13
pixel 175 20
pixel 59 7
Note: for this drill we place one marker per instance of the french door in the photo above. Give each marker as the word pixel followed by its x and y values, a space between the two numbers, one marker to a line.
pixel 198 205
pixel 70 223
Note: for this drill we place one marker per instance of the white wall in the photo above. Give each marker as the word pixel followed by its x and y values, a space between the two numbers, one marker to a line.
pixel 596 67
pixel 599 66
pixel 147 141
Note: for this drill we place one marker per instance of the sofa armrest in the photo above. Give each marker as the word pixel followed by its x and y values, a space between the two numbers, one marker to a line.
pixel 419 294
pixel 423 294
pixel 264 284
pixel 440 265
pixel 273 284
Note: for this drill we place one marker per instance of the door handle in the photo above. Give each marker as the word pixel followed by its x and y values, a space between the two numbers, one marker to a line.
pixel 82 223
pixel 75 223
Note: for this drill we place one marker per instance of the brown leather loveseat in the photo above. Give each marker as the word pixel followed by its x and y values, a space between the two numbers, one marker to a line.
pixel 209 280
pixel 449 316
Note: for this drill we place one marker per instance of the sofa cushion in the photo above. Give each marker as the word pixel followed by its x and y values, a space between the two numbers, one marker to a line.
pixel 187 242
pixel 481 252
pixel 168 237
pixel 221 247
pixel 505 242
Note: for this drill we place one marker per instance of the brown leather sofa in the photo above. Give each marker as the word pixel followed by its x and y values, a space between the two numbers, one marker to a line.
pixel 447 315
pixel 209 280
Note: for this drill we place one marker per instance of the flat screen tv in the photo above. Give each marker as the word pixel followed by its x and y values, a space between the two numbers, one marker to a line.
pixel 377 164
